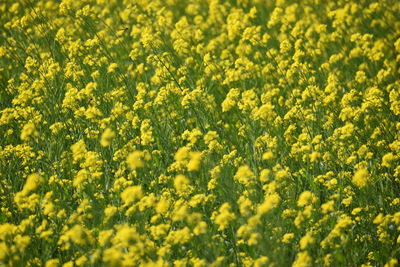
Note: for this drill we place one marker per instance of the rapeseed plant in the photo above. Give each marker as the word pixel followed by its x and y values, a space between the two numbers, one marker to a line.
pixel 199 133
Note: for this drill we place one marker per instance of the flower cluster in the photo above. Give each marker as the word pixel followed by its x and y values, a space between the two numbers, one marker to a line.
pixel 199 133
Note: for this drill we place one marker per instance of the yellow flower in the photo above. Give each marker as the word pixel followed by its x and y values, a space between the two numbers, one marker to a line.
pixel 200 228
pixel 79 150
pixel 28 132
pixel 159 231
pixel 112 67
pixel 146 131
pixel 264 175
pixel 68 264
pixel 52 263
pixel 81 177
pixel 270 202
pixel 306 240
pixel 182 154
pixel 112 256
pixel 314 156
pixel 249 100
pixel 78 235
pixel 245 175
pixel 109 211
pixel 180 236
pixel 81 261
pixel 192 136
pixel 388 159
pixel 224 216
pixel 306 198
pixel 281 175
pixel 4 251
pixel 105 236
pixel 135 160
pixel 264 113
pixel 231 99
pixel 361 177
pixel 328 206
pixel 245 205
pixel 162 206
pixel 392 263
pixel 302 260
pixel 106 137
pixel 347 201
pixel 254 239
pixel 131 194
pixel 268 155
pixel 210 138
pixel 182 185
pixel 194 162
pixel 32 183
pixel 262 261
pixel 287 238
pixel 126 235
pixel 22 242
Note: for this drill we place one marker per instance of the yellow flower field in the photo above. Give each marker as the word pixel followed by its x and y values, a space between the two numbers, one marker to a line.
pixel 199 133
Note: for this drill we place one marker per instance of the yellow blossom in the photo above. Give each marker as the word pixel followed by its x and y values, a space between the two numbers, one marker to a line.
pixel 361 177
pixel 306 198
pixel 224 216
pixel 135 160
pixel 287 238
pixel 106 137
pixel 131 194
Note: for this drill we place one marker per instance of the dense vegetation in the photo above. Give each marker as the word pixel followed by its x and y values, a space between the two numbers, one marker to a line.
pixel 199 133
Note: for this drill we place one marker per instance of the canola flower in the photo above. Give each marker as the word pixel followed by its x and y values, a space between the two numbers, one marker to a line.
pixel 199 133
